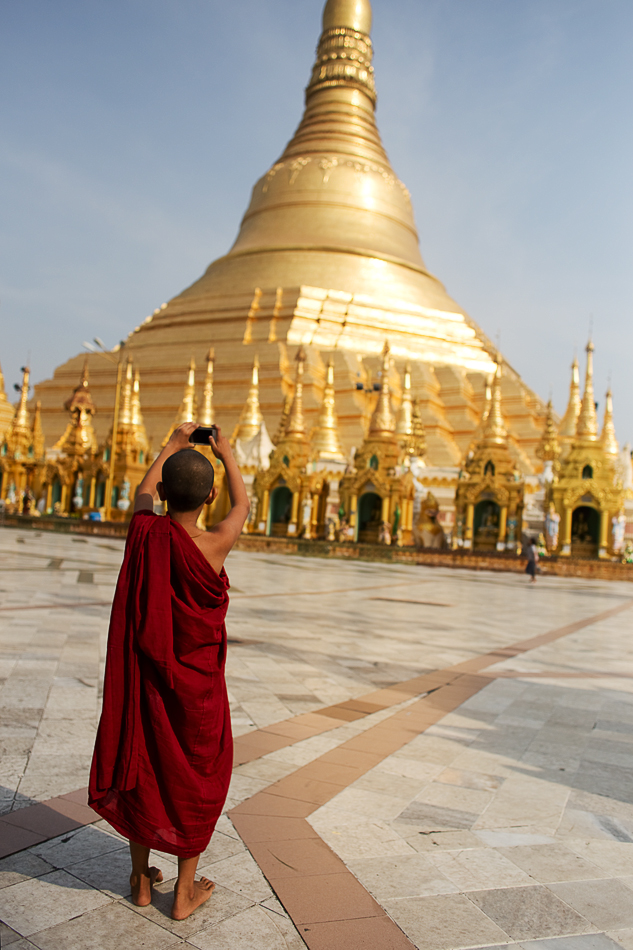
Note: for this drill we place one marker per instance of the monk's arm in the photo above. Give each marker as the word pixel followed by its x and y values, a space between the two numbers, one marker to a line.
pixel 228 531
pixel 146 494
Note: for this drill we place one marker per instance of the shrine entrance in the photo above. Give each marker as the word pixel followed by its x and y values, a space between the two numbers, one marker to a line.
pixel 486 525
pixel 369 517
pixel 585 532
pixel 280 511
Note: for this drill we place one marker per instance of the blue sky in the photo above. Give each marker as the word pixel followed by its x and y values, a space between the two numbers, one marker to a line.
pixel 132 133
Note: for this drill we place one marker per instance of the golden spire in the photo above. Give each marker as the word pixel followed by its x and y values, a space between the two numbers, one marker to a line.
pixel 569 423
pixel 188 407
pixel 296 428
pixel 37 435
pixel 418 438
pixel 136 416
pixel 548 448
pixel 587 420
pixel 251 417
pixel 125 416
pixel 21 418
pixel 6 409
pixel 382 422
pixel 487 400
pixel 79 438
pixel 325 439
pixel 494 428
pixel 206 416
pixel 283 420
pixel 404 427
pixel 607 439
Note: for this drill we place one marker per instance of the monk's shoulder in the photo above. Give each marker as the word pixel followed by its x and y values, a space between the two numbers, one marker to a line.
pixel 208 546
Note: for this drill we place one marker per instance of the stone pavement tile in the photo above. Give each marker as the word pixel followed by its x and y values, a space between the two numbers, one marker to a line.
pixel 468 779
pixel 252 929
pixel 423 816
pixel 510 839
pixel 223 903
pixel 110 872
pixel 353 837
pixel 282 921
pixel 240 874
pixel 22 867
pixel 81 845
pixel 448 922
pixel 530 912
pixel 548 863
pixel 322 897
pixel 8 936
pixel 459 798
pixel 479 868
pixel 610 781
pixel 13 838
pixel 607 904
pixel 370 933
pixel 623 938
pixel 42 820
pixel 581 942
pixel 410 875
pixel 46 901
pixel 109 928
pixel 23 944
pixel 527 804
pixel 221 846
pixel 437 841
pixel 614 857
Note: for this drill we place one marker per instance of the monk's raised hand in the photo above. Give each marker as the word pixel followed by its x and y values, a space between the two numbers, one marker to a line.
pixel 220 446
pixel 179 439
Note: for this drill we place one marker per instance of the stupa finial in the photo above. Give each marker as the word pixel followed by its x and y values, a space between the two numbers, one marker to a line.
pixel 251 418
pixel 587 420
pixel 569 423
pixel 206 415
pixel 548 448
pixel 21 418
pixel 494 428
pixel 136 416
pixel 188 408
pixel 354 14
pixel 126 403
pixel 326 442
pixel 607 438
pixel 382 421
pixel 296 428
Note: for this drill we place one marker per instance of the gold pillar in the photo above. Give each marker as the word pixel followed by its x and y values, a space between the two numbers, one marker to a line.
pixel 264 512
pixel 503 520
pixel 292 527
pixel 565 541
pixel 385 509
pixel 353 508
pixel 93 490
pixel 604 534
pixel 468 528
pixel 49 496
pixel 314 519
pixel 64 499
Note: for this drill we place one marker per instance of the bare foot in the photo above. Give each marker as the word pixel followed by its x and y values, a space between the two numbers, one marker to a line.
pixel 186 903
pixel 142 886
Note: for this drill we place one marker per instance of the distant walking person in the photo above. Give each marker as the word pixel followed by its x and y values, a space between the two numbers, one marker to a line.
pixel 532 556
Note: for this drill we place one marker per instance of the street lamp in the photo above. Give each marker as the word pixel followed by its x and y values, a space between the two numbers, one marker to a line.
pixel 101 350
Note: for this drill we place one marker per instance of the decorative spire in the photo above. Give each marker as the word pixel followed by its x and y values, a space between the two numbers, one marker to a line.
pixel 343 56
pixel 6 409
pixel 382 422
pixel 607 439
pixel 587 420
pixel 136 416
pixel 188 408
pixel 79 439
pixel 548 448
pixel 206 416
pixel 326 442
pixel 283 420
pixel 487 400
pixel 404 426
pixel 418 438
pixel 296 428
pixel 251 417
pixel 21 418
pixel 569 423
pixel 494 428
pixel 37 435
pixel 125 417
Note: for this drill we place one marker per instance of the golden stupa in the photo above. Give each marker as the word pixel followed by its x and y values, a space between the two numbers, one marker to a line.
pixel 327 257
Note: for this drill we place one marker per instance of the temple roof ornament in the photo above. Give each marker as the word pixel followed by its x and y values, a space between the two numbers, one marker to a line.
pixel 548 449
pixel 251 418
pixel 325 438
pixel 37 434
pixel 18 437
pixel 188 411
pixel 296 427
pixel 587 428
pixel 494 430
pixel 206 413
pixel 125 415
pixel 607 438
pixel 382 421
pixel 569 422
pixel 6 409
pixel 136 416
pixel 79 439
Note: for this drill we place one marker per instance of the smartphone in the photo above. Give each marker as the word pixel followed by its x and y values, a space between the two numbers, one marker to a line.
pixel 200 436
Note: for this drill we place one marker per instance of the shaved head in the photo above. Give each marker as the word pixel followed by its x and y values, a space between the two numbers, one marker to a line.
pixel 187 480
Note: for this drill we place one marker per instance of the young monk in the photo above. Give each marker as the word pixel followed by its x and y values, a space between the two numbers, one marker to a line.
pixel 163 756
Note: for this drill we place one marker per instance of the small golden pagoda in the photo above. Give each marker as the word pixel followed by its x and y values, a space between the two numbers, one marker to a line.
pixel 7 411
pixel 588 493
pixel 409 425
pixel 281 488
pixel 188 411
pixel 73 468
pixel 548 450
pixel 377 494
pixel 132 448
pixel 22 452
pixel 569 422
pixel 490 491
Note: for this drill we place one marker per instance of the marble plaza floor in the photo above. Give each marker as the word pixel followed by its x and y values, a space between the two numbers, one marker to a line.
pixel 425 758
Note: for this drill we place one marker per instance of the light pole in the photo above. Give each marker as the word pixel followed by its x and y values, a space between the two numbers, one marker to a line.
pixel 101 350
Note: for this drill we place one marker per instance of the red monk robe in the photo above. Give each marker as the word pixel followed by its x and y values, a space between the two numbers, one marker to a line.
pixel 163 756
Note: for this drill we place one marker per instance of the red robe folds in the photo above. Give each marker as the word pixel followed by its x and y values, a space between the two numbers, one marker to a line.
pixel 163 756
